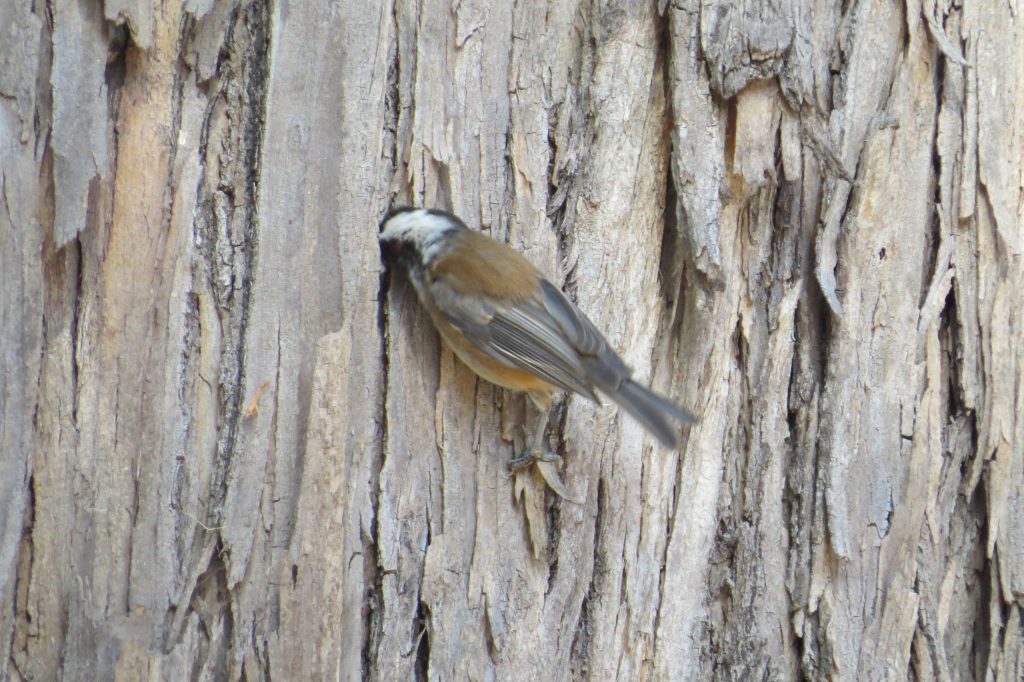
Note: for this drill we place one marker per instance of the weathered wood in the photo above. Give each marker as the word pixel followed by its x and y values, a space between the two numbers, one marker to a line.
pixel 233 445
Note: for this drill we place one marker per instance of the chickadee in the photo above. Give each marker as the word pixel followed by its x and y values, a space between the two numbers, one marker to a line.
pixel 512 326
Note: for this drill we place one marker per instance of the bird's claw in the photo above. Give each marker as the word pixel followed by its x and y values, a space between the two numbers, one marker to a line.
pixel 548 464
pixel 523 461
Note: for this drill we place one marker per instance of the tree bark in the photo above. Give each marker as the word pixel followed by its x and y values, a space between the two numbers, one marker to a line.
pixel 234 447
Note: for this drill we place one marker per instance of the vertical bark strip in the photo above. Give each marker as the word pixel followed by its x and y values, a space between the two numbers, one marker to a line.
pixel 232 445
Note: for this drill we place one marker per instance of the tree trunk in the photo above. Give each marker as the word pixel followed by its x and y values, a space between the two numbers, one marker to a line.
pixel 234 447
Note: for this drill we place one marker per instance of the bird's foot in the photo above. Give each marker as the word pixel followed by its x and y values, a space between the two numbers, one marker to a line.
pixel 548 464
pixel 528 457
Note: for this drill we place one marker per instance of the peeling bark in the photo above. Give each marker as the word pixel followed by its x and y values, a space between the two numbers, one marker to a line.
pixel 233 446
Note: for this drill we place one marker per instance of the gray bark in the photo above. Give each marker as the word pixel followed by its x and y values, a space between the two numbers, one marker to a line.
pixel 233 446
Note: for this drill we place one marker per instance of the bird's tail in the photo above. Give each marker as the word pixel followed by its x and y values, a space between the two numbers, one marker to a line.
pixel 656 414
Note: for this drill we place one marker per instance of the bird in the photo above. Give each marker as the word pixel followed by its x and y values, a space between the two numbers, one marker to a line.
pixel 512 326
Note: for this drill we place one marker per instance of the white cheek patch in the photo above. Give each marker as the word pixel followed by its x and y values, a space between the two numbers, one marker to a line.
pixel 430 248
pixel 425 230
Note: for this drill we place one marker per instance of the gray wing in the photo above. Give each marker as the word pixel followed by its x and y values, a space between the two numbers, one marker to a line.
pixel 546 336
pixel 604 368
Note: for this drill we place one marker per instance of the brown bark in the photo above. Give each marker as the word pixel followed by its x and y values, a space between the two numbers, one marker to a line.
pixel 232 444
